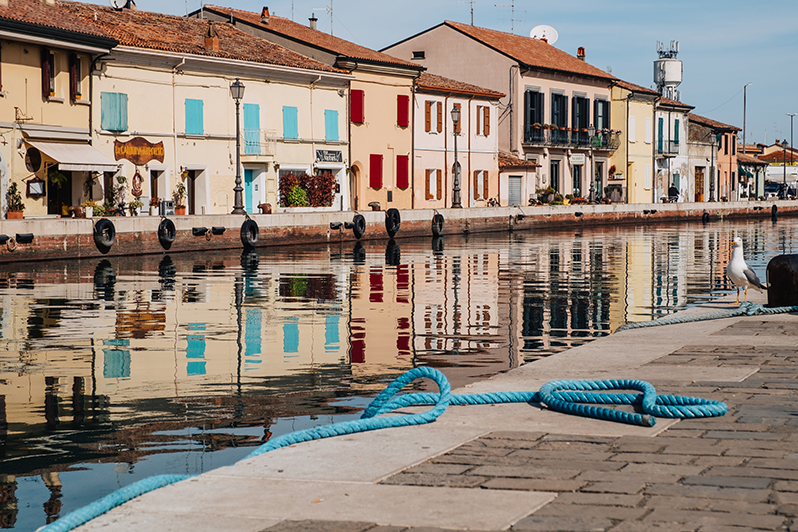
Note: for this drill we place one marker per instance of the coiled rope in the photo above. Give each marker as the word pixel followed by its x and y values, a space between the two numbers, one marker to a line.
pixel 745 309
pixel 568 396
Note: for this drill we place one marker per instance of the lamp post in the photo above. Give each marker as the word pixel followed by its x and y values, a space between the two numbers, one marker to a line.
pixel 784 183
pixel 456 187
pixel 744 102
pixel 791 115
pixel 712 139
pixel 237 92
pixel 591 130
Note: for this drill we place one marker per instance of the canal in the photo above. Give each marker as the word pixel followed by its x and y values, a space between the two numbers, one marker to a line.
pixel 116 369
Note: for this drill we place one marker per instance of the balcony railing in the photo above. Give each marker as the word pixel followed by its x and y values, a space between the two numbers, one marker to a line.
pixel 668 147
pixel 571 138
pixel 259 141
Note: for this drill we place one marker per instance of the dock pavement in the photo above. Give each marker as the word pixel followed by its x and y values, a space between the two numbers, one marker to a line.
pixel 523 467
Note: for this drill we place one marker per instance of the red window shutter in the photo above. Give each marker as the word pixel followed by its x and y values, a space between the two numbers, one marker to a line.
pixel 73 77
pixel 476 184
pixel 460 123
pixel 428 116
pixel 402 110
pixel 402 171
pixel 426 186
pixel 375 170
pixel 485 188
pixel 45 73
pixel 440 116
pixel 439 183
pixel 357 107
pixel 487 120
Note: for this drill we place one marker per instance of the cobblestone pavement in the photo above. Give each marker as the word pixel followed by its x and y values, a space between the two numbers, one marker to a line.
pixel 736 472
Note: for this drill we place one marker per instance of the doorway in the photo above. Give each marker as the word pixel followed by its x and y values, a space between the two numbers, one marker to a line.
pixel 699 183
pixel 191 192
pixel 249 179
pixel 554 172
pixel 576 173
pixel 59 192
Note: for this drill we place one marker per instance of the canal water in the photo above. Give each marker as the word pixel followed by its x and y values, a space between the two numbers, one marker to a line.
pixel 113 370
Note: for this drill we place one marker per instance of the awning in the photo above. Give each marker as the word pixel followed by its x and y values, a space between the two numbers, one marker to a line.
pixel 76 157
pixel 744 172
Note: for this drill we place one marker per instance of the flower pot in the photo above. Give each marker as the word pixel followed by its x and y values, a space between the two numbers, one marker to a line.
pixel 180 211
pixel 14 215
pixel 153 211
pixel 89 211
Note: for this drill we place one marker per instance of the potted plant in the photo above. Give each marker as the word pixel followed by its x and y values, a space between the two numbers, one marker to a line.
pixel 179 196
pixel 14 205
pixel 89 207
pixel 134 207
pixel 154 206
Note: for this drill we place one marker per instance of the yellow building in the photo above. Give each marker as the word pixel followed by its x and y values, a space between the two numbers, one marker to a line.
pixel 634 106
pixel 45 106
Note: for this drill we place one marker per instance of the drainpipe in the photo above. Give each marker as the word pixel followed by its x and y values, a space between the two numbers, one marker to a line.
pixel 653 153
pixel 174 117
pixel 312 136
pixel 445 151
pixel 628 180
pixel 353 194
pixel 469 175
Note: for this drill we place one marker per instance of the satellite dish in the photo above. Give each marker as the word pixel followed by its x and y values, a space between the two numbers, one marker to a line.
pixel 544 32
pixel 113 4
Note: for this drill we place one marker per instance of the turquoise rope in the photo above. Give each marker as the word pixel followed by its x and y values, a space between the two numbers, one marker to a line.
pixel 569 396
pixel 746 309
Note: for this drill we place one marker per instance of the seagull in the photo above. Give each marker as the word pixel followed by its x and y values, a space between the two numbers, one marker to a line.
pixel 740 274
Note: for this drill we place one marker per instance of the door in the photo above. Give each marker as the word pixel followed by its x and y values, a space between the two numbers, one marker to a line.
pixel 599 180
pixel 59 192
pixel 577 179
pixel 191 192
pixel 699 183
pixel 514 190
pixel 249 178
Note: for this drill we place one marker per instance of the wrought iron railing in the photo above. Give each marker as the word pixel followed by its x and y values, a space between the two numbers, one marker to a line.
pixel 572 138
pixel 668 147
pixel 259 141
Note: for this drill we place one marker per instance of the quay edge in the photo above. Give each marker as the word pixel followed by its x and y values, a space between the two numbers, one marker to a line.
pixel 65 238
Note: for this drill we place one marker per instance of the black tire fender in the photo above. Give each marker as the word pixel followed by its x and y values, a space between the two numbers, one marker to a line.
pixel 249 233
pixel 359 225
pixel 437 225
pixel 166 233
pixel 392 221
pixel 104 233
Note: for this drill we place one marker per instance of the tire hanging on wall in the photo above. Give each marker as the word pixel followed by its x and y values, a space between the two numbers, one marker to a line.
pixel 392 221
pixel 437 225
pixel 104 233
pixel 249 233
pixel 359 225
pixel 166 233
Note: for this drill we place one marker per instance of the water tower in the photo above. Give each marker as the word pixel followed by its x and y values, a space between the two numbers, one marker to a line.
pixel 668 70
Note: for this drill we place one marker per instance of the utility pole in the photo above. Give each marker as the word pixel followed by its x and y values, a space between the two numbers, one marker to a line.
pixel 744 102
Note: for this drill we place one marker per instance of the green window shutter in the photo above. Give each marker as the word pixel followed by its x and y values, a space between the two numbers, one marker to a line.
pixel 290 123
pixel 660 124
pixel 251 128
pixel 194 118
pixel 113 111
pixel 676 131
pixel 331 125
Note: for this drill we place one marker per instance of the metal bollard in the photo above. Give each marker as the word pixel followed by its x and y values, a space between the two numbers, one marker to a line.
pixel 782 276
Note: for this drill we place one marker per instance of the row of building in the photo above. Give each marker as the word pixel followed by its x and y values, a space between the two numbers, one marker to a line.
pixel 109 105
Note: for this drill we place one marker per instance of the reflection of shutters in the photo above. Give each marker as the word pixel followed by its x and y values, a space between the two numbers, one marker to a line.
pixel 427 183
pixel 375 170
pixel 486 120
pixel 514 190
pixel 357 106
pixel 485 184
pixel 439 183
pixel 402 173
pixel 402 110
pixel 428 116
pixel 440 116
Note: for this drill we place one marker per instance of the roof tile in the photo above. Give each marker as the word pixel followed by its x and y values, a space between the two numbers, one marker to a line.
pixel 698 119
pixel 42 14
pixel 440 83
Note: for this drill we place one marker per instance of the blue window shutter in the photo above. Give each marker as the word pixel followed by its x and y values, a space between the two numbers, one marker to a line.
pixel 122 112
pixel 194 118
pixel 676 131
pixel 113 116
pixel 251 128
pixel 290 124
pixel 660 124
pixel 331 125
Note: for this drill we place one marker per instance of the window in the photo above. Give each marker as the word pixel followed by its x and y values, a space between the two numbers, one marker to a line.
pixel 419 55
pixel 48 74
pixel 554 171
pixel 251 129
pixel 375 170
pixel 75 75
pixel 483 120
pixel 647 178
pixel 533 116
pixel 402 110
pixel 648 131
pixel 194 118
pixel 433 116
pixel 331 125
pixel 559 117
pixel 357 111
pixel 660 127
pixel 581 114
pixel 725 141
pixel 113 111
pixel 290 123
pixel 434 184
pixel 602 112
pixel 631 129
pixel 676 131
pixel 481 184
pixel 402 171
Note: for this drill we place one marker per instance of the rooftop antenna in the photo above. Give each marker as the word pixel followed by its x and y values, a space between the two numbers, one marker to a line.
pixel 471 5
pixel 513 20
pixel 329 10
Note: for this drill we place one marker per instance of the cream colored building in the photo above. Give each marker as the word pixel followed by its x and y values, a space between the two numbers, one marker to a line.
pixel 166 95
pixel 45 106
pixel 633 105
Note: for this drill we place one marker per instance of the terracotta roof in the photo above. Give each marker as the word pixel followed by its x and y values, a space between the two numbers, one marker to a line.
pixel 439 83
pixel 674 103
pixel 38 13
pixel 510 161
pixel 779 156
pixel 156 31
pixel 532 52
pixel 316 38
pixel 708 122
pixel 636 88
pixel 745 159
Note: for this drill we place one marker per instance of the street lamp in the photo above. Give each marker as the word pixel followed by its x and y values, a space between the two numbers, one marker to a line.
pixel 744 102
pixel 237 92
pixel 784 150
pixel 791 115
pixel 591 130
pixel 712 139
pixel 456 188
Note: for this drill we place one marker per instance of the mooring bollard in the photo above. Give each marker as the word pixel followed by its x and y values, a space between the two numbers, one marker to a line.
pixel 782 276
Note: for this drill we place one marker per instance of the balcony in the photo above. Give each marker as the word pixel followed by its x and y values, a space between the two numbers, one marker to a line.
pixel 667 148
pixel 259 141
pixel 606 140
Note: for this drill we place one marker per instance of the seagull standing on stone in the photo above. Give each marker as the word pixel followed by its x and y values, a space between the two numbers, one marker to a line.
pixel 740 274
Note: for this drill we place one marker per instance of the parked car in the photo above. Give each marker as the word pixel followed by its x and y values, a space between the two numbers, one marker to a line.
pixel 772 190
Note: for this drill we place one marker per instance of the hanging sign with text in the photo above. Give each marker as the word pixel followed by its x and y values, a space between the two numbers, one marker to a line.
pixel 138 151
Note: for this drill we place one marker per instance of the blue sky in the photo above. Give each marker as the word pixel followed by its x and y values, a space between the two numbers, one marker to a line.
pixel 723 44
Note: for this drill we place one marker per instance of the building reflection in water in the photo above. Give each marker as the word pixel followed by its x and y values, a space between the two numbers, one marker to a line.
pixel 118 360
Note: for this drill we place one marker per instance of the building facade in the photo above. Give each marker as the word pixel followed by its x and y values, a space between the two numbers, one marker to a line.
pixel 721 139
pixel 671 153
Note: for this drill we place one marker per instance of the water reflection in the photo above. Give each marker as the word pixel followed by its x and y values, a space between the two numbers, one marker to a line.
pixel 117 369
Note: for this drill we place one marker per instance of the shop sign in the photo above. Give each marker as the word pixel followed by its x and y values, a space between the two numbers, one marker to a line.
pixel 329 156
pixel 138 151
pixel 616 177
pixel 578 158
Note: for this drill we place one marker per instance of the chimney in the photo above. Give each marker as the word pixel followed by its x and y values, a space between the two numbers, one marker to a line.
pixel 48 2
pixel 212 39
pixel 580 53
pixel 130 4
pixel 313 21
pixel 3 3
pixel 264 15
